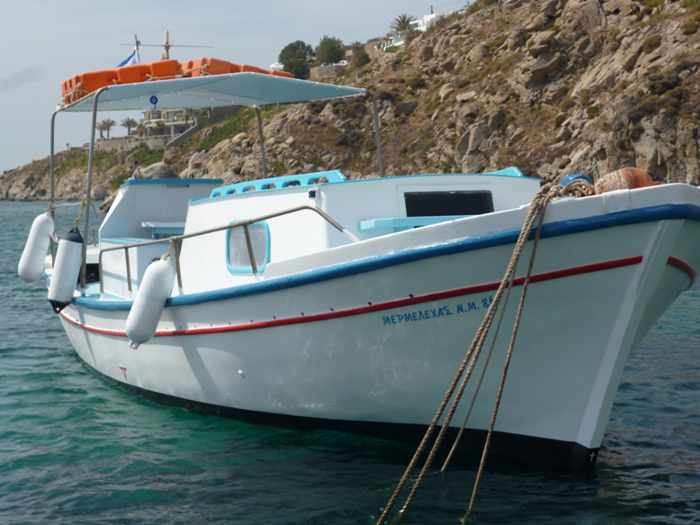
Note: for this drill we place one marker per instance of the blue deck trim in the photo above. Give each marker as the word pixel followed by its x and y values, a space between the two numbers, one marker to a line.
pixel 554 229
pixel 171 182
pixel 125 240
pixel 276 183
pixel 162 232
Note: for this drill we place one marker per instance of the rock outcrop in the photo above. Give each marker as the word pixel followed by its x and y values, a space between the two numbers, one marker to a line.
pixel 549 86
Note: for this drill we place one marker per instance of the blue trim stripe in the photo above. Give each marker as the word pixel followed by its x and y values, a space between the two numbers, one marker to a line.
pixel 553 229
pixel 126 240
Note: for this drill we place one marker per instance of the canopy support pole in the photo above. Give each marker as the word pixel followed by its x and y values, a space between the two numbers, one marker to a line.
pixel 261 138
pixel 52 179
pixel 88 188
pixel 378 137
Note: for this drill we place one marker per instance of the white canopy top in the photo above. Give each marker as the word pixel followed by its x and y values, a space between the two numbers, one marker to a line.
pixel 235 89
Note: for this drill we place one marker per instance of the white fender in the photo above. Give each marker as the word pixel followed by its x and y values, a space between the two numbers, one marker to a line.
pixel 31 264
pixel 69 260
pixel 148 305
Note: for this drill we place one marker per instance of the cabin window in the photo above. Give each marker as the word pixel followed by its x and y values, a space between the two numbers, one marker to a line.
pixel 237 258
pixel 432 203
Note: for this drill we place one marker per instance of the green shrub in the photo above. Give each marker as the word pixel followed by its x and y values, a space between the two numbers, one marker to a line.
pixel 278 167
pixel 116 181
pixel 496 42
pixel 296 58
pixel 651 43
pixel 330 50
pixel 585 97
pixel 102 162
pixel 478 5
pixel 145 156
pixel 593 111
pixel 650 4
pixel 690 27
pixel 567 104
pixel 359 55
pixel 231 126
pixel 416 83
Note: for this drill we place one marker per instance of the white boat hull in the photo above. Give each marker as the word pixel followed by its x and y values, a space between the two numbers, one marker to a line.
pixel 380 346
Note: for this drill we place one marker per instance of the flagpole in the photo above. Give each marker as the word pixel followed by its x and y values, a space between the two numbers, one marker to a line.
pixel 138 46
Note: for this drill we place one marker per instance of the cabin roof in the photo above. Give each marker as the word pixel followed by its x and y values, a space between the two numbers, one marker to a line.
pixel 235 89
pixel 290 182
pixel 274 183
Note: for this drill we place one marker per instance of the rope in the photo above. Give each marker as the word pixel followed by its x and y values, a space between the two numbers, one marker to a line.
pixel 536 211
pixel 81 211
pixel 458 438
pixel 578 188
pixel 572 190
pixel 509 354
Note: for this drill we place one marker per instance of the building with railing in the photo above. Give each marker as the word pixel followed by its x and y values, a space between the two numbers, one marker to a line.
pixel 170 122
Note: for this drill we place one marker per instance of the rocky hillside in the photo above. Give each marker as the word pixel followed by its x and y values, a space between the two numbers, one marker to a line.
pixel 549 86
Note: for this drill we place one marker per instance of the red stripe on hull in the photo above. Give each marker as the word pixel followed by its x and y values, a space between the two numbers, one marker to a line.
pixel 683 266
pixel 371 308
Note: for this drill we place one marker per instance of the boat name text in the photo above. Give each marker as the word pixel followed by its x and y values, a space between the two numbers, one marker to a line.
pixel 427 314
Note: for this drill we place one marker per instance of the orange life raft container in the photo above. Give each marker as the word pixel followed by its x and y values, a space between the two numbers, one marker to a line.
pixel 624 179
pixel 208 66
pixel 79 86
pixel 165 69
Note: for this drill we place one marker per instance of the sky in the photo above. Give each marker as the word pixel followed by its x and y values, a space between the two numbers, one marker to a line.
pixel 46 41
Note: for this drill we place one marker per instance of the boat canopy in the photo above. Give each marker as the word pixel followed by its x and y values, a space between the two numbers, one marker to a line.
pixel 236 89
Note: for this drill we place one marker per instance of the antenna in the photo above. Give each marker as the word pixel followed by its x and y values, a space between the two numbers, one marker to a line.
pixel 167 46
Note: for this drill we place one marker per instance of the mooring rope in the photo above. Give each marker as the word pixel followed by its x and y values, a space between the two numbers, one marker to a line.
pixel 509 353
pixel 489 354
pixel 535 213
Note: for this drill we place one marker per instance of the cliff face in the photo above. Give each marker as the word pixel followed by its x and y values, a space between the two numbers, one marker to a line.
pixel 549 86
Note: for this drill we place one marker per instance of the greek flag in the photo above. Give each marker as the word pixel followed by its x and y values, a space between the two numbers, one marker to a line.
pixel 133 58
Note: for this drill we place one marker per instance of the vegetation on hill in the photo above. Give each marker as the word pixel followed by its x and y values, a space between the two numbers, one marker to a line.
pixel 296 58
pixel 330 50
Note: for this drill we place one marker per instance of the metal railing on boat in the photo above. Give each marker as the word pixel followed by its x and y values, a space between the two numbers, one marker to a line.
pixel 176 241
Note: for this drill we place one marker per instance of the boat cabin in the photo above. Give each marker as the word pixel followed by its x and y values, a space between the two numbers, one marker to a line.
pixel 152 211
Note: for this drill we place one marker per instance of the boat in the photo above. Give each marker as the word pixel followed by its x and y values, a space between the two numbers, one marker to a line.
pixel 316 300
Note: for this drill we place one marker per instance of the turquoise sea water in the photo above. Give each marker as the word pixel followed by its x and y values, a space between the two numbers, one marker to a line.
pixel 76 449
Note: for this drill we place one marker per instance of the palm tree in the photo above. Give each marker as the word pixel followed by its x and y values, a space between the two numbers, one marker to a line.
pixel 402 23
pixel 129 123
pixel 107 126
pixel 100 127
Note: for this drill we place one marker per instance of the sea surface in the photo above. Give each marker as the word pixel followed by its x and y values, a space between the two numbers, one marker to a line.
pixel 76 449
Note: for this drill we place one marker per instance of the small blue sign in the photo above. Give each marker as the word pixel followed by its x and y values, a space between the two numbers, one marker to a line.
pixel 153 100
